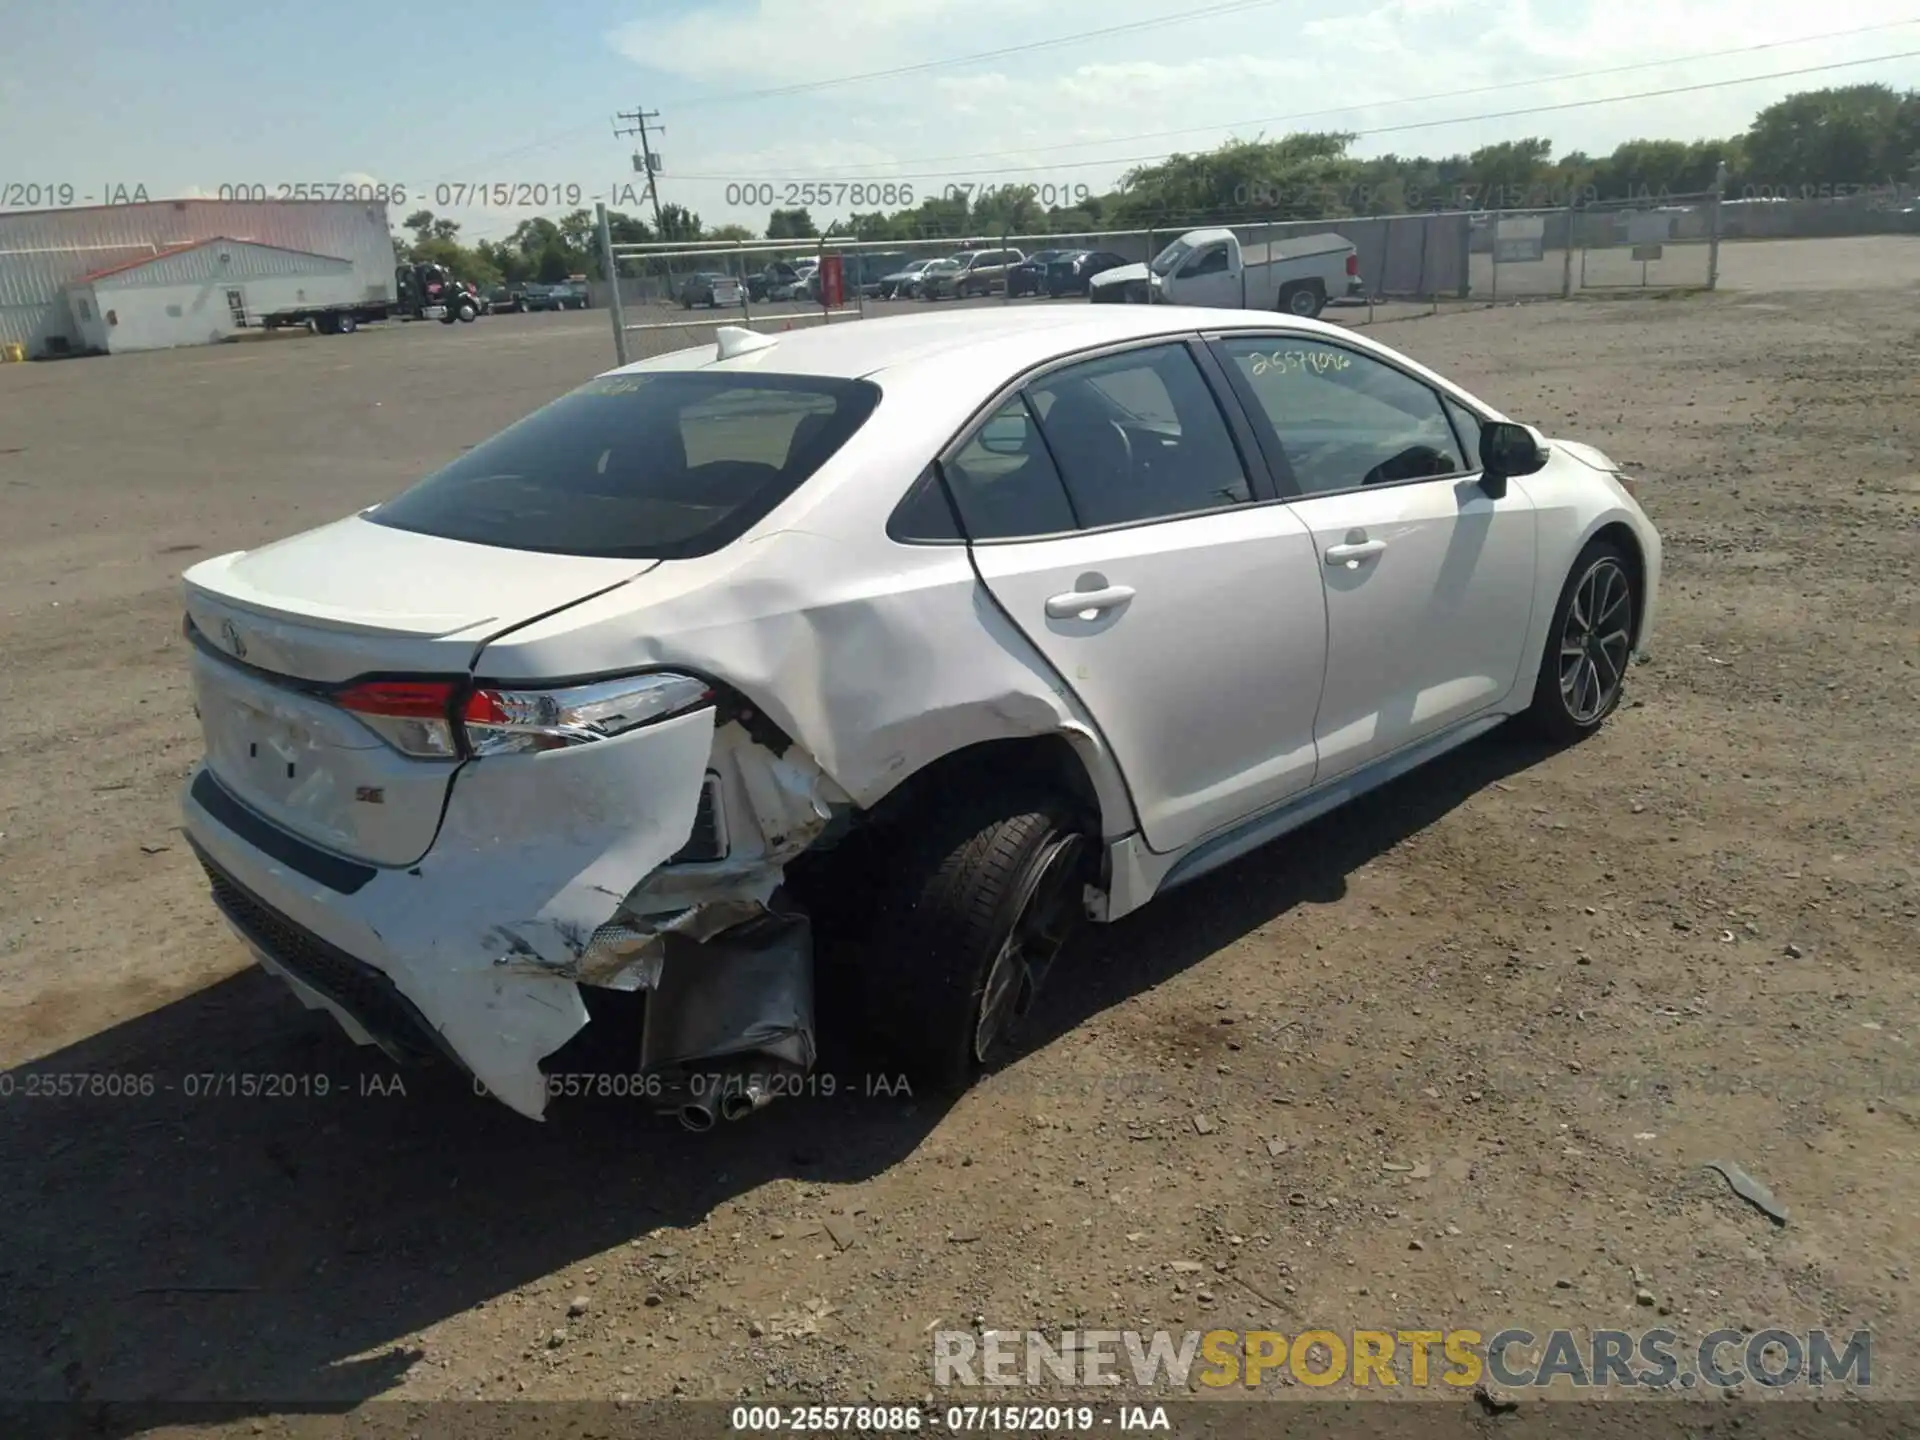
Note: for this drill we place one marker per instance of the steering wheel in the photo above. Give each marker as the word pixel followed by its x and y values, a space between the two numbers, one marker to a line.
pixel 1416 462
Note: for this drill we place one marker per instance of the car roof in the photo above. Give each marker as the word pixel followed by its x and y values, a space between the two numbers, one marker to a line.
pixel 1005 340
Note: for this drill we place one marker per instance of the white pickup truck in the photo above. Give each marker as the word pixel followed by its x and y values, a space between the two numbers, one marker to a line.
pixel 1212 268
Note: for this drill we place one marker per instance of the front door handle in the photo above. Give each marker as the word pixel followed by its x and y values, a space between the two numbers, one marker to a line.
pixel 1075 603
pixel 1354 552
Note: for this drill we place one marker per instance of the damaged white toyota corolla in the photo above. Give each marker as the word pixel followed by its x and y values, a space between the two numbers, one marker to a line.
pixel 915 641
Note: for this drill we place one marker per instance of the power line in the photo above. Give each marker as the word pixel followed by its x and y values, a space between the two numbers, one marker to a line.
pixel 1376 105
pixel 1361 134
pixel 1027 47
pixel 554 137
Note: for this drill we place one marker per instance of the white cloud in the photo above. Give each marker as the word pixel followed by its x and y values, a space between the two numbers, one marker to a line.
pixel 1087 111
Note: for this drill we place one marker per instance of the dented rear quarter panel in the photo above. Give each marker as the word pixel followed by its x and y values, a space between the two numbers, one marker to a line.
pixel 877 658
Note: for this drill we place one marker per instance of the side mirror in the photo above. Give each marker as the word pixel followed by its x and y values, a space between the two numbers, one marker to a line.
pixel 1005 434
pixel 1508 450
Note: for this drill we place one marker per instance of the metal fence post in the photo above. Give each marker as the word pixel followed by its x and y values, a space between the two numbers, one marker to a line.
pixel 612 269
pixel 1713 226
pixel 1494 255
pixel 1006 285
pixel 1566 257
pixel 746 290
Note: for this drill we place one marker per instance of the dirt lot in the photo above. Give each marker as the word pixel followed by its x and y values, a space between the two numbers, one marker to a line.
pixel 1557 984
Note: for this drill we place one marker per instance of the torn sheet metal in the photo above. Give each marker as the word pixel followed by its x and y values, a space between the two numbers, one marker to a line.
pixel 746 993
pixel 776 806
pixel 535 854
pixel 630 956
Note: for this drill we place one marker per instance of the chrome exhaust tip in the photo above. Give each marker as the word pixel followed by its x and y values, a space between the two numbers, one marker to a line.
pixel 751 1096
pixel 696 1116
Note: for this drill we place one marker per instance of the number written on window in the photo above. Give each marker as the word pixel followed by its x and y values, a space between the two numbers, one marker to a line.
pixel 1343 420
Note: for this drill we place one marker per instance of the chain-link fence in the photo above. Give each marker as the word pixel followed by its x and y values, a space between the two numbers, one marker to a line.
pixel 669 295
pixel 1593 248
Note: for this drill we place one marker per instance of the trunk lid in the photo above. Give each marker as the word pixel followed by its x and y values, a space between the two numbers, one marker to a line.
pixel 277 629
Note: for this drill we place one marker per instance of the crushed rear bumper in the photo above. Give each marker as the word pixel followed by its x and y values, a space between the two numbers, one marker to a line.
pixel 546 877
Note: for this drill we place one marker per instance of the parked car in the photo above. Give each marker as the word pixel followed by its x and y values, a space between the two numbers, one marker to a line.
pixel 775 275
pixel 579 297
pixel 561 296
pixel 506 300
pixel 679 728
pixel 901 284
pixel 1071 272
pixel 1029 277
pixel 787 279
pixel 933 274
pixel 869 269
pixel 711 288
pixel 974 273
pixel 1210 267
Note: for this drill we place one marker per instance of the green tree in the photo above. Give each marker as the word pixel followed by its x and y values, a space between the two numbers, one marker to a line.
pixel 1846 135
pixel 679 224
pixel 791 225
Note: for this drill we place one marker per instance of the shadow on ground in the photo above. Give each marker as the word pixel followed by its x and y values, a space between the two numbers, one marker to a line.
pixel 205 1248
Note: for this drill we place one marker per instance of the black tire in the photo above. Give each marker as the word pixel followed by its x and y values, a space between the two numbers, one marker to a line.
pixel 348 324
pixel 466 312
pixel 958 886
pixel 448 318
pixel 328 324
pixel 1589 647
pixel 1303 298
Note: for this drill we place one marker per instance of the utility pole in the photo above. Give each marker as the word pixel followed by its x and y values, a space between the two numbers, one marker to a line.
pixel 637 125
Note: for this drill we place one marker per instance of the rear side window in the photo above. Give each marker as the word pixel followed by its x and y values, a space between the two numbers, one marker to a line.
pixel 643 467
pixel 1004 480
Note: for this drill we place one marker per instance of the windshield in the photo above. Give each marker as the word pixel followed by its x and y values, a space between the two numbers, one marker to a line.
pixel 1168 260
pixel 639 466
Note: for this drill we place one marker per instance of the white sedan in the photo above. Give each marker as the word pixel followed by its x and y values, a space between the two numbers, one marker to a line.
pixel 915 642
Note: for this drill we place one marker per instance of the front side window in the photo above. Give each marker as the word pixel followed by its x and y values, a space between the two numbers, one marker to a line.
pixel 1467 426
pixel 1212 261
pixel 1342 419
pixel 1137 436
pixel 659 466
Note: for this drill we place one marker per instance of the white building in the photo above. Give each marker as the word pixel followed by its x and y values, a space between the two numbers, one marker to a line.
pixel 44 252
pixel 199 293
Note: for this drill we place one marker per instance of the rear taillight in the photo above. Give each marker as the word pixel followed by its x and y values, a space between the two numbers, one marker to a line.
pixel 1353 263
pixel 428 719
pixel 502 721
pixel 413 716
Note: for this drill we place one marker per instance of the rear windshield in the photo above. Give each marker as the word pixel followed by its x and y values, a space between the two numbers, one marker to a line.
pixel 639 466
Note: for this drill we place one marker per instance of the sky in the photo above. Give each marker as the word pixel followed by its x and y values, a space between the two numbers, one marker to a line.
pixel 759 97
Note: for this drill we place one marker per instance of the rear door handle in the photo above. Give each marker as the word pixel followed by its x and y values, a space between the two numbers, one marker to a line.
pixel 1354 552
pixel 1079 602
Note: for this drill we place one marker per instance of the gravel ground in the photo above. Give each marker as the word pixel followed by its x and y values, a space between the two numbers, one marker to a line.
pixel 1454 1056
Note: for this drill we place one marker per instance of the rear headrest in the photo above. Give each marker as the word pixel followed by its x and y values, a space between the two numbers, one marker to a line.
pixel 806 436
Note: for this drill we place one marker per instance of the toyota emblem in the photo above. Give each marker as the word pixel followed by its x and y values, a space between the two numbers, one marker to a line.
pixel 230 633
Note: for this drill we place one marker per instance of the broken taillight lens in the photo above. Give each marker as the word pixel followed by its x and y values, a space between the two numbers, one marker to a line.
pixel 413 716
pixel 501 721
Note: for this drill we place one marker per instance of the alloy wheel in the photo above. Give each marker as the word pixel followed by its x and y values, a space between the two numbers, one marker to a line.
pixel 1595 642
pixel 1050 907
